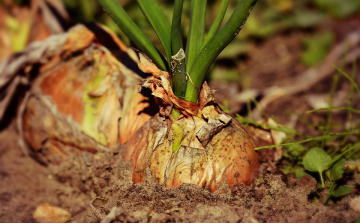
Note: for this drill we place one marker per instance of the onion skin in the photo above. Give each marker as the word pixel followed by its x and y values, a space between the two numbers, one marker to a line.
pixel 84 96
pixel 213 146
pixel 233 150
pixel 203 146
pixel 229 155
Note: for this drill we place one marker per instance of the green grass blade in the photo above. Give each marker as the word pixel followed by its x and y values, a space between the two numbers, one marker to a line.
pixel 351 97
pixel 176 37
pixel 217 22
pixel 280 127
pixel 125 23
pixel 178 63
pixel 317 138
pixel 214 47
pixel 334 108
pixel 159 22
pixel 337 158
pixel 353 83
pixel 86 11
pixel 196 32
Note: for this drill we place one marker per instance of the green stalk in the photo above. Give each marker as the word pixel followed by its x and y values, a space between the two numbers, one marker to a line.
pixel 178 65
pixel 176 37
pixel 179 82
pixel 217 22
pixel 159 22
pixel 122 19
pixel 86 10
pixel 178 73
pixel 196 32
pixel 214 47
pixel 177 136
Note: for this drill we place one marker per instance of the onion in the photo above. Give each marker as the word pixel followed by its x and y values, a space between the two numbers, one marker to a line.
pixel 204 146
pixel 84 98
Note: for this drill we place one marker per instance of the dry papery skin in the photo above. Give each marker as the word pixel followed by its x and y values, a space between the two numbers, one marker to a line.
pixel 33 21
pixel 83 98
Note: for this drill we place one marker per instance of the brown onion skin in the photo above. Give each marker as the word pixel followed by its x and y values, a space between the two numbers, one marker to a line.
pixel 230 155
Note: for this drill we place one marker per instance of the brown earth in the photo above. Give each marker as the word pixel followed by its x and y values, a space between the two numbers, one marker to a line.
pixel 90 191
pixel 89 188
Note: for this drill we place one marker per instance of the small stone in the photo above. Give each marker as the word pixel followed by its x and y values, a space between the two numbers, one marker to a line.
pixel 355 204
pixel 46 213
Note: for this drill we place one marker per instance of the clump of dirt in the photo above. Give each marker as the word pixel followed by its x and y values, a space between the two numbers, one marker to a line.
pixel 90 186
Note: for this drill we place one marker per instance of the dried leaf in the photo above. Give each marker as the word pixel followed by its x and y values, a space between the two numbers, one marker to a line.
pixel 21 25
pixel 160 86
pixel 266 137
pixel 148 67
pixel 46 213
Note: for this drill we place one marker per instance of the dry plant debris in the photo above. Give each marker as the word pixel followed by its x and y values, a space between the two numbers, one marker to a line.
pixel 80 95
pixel 46 213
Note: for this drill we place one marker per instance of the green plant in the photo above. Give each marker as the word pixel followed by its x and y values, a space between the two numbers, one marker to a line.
pixel 333 154
pixel 317 160
pixel 188 67
pixel 200 144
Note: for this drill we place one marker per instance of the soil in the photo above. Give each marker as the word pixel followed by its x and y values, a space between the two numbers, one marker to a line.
pixel 90 187
pixel 90 192
pixel 25 184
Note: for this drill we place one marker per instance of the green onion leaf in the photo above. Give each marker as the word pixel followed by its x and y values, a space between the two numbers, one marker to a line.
pixel 159 22
pixel 196 32
pixel 178 64
pixel 122 19
pixel 176 37
pixel 213 48
pixel 217 22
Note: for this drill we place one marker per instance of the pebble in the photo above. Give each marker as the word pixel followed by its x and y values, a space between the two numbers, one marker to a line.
pixel 355 204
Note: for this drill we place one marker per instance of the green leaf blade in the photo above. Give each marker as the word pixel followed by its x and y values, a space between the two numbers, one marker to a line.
pixel 178 62
pixel 217 22
pixel 312 139
pixel 352 82
pixel 196 32
pixel 176 36
pixel 337 170
pixel 159 22
pixel 334 108
pixel 316 160
pixel 125 23
pixel 213 48
pixel 342 191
